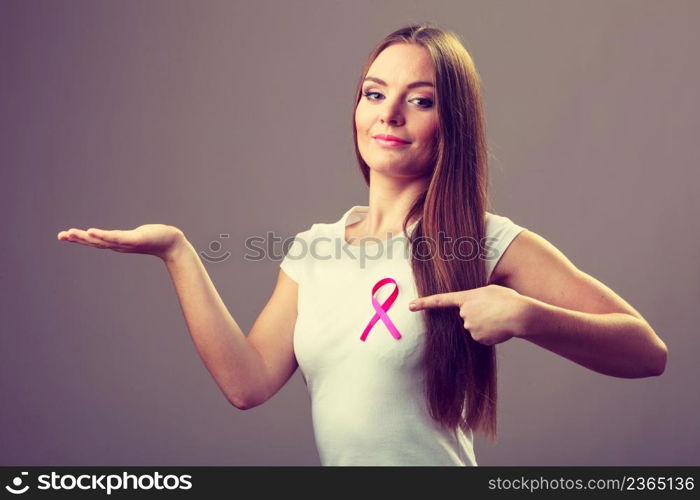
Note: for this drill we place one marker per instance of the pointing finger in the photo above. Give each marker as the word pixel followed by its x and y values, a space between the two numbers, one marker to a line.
pixel 450 299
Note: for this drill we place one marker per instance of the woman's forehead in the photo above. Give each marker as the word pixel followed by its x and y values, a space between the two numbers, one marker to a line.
pixel 402 63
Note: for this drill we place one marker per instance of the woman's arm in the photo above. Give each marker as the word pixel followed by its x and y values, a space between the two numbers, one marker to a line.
pixel 247 370
pixel 615 344
pixel 576 316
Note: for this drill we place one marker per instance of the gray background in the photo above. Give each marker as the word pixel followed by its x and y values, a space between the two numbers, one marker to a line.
pixel 234 118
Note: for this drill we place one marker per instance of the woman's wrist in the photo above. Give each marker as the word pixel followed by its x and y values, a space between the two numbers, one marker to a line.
pixel 527 319
pixel 179 247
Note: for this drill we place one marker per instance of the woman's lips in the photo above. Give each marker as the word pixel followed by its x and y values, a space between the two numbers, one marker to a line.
pixel 390 144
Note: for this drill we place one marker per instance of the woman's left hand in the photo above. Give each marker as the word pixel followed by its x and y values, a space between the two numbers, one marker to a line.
pixel 492 313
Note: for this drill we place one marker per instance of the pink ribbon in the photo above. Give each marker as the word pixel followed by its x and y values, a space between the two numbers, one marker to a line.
pixel 382 308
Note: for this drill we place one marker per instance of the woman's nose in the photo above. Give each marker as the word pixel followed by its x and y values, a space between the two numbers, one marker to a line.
pixel 391 111
pixel 391 115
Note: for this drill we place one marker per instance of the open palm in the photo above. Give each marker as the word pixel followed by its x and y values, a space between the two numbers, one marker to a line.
pixel 151 239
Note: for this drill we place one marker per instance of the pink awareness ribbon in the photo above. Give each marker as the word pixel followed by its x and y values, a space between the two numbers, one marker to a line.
pixel 382 308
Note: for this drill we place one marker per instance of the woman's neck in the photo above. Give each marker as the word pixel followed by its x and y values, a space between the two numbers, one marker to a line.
pixel 390 200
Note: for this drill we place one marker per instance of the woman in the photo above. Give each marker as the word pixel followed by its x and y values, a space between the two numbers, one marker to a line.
pixel 390 384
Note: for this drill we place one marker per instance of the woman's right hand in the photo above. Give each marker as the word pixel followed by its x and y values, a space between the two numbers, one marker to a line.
pixel 160 240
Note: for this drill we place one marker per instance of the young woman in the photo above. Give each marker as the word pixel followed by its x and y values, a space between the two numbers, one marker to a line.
pixel 392 384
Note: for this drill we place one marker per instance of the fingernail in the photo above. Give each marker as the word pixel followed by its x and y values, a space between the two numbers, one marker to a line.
pixel 411 306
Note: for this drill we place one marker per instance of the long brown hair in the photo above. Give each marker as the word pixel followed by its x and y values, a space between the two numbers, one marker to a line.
pixel 461 387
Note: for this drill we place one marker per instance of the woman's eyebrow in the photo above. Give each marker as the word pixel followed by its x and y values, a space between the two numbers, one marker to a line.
pixel 409 86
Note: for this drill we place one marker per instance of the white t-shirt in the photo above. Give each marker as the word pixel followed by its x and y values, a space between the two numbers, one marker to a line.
pixel 368 402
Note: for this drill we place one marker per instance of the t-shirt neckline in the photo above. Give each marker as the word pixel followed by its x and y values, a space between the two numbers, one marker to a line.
pixel 363 209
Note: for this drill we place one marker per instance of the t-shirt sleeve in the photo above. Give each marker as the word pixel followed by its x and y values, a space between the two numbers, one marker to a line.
pixel 296 257
pixel 500 232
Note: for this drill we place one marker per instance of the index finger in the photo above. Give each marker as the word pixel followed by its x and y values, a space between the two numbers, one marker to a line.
pixel 450 299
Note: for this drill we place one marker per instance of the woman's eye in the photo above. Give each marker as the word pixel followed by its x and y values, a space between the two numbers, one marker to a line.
pixel 367 94
pixel 426 102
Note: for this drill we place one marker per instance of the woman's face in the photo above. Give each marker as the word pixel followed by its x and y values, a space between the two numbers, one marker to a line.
pixel 392 106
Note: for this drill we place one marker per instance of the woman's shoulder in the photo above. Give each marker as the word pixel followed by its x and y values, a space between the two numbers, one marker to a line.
pixel 497 224
pixel 326 227
pixel 500 233
pixel 316 229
